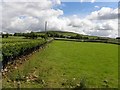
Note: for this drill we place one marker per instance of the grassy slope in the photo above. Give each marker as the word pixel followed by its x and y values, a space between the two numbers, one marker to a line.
pixel 66 33
pixel 64 63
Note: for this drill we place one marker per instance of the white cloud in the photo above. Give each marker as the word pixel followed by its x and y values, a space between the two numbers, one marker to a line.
pixel 93 1
pixel 56 2
pixel 105 27
pixel 78 22
pixel 81 0
pixel 108 25
pixel 23 24
pixel 25 17
pixel 104 13
pixel 30 13
pixel 97 7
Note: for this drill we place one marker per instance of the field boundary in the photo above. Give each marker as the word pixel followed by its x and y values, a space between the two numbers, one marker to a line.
pixel 23 56
pixel 79 40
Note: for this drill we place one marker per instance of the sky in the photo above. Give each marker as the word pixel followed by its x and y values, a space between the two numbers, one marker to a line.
pixel 88 18
pixel 84 8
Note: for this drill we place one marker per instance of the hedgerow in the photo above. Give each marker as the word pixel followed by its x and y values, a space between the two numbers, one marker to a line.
pixel 10 51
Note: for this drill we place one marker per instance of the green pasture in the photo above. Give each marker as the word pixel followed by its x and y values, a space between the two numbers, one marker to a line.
pixel 67 64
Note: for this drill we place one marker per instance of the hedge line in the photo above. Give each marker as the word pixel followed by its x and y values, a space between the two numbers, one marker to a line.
pixel 10 51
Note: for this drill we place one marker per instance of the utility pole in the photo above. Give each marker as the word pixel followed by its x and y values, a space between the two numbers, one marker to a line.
pixel 45 26
pixel 45 30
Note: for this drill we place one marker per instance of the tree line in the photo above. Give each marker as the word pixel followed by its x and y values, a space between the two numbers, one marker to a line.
pixel 35 35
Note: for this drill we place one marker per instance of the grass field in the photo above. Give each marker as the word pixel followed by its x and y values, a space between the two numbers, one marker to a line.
pixel 66 64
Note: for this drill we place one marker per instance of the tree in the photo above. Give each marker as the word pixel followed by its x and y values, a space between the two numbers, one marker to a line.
pixel 44 36
pixel 5 35
pixel 18 34
pixel 117 37
pixel 31 35
pixel 85 38
pixel 78 36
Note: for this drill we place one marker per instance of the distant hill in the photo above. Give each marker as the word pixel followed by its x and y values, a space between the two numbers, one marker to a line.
pixel 65 33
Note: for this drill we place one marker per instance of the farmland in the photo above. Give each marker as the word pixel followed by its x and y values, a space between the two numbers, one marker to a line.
pixel 58 44
pixel 66 64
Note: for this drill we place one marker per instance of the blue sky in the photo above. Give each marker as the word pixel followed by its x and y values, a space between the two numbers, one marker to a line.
pixel 84 8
